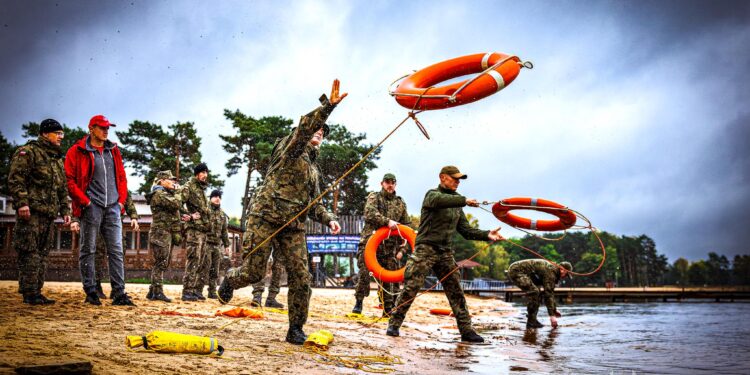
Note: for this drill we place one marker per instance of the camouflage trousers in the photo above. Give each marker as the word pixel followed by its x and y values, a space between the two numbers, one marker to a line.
pixel 533 294
pixel 386 259
pixel 290 245
pixel 428 258
pixel 196 260
pixel 277 267
pixel 211 274
pixel 162 242
pixel 32 240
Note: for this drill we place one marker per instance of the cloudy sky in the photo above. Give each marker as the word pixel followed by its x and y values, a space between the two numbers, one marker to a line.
pixel 636 113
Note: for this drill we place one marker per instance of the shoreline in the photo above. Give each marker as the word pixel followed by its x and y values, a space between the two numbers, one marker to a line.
pixel 73 331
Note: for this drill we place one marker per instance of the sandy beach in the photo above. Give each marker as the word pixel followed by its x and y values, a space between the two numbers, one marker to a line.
pixel 73 331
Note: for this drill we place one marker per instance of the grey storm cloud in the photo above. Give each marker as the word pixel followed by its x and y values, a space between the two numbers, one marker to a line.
pixel 680 176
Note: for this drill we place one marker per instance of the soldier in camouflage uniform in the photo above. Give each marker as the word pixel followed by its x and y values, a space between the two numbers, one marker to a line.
pixel 442 216
pixel 277 267
pixel 38 186
pixel 165 200
pixel 529 275
pixel 198 227
pixel 216 242
pixel 383 208
pixel 101 247
pixel 291 183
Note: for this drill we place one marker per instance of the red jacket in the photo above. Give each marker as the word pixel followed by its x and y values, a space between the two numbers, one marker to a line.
pixel 79 168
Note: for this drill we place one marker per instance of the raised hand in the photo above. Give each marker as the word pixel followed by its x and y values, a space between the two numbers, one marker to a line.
pixel 335 97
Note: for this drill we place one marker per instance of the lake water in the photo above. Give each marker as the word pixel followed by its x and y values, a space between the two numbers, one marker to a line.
pixel 624 338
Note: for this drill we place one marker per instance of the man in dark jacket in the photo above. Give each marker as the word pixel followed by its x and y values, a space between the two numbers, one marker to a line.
pixel 99 188
pixel 529 275
pixel 442 216
pixel 37 184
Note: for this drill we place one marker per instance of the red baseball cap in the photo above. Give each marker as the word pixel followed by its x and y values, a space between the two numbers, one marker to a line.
pixel 100 120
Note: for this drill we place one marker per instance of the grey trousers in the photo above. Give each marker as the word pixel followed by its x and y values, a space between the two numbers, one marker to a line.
pixel 95 221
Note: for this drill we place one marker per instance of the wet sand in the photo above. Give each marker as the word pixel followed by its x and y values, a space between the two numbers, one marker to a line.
pixel 73 331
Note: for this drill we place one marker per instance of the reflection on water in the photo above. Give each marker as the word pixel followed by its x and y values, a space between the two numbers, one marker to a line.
pixel 663 338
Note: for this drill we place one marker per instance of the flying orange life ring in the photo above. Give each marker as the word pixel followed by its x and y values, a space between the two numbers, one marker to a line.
pixel 565 218
pixel 446 312
pixel 371 253
pixel 417 91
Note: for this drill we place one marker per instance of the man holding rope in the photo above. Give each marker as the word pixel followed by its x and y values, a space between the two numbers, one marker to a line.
pixel 529 275
pixel 279 211
pixel 442 216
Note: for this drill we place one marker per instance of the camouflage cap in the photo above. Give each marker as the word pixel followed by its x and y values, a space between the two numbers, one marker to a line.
pixel 165 175
pixel 453 171
pixel 568 267
pixel 389 177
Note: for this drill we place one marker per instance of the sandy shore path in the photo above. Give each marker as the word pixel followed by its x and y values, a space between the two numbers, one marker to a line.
pixel 73 331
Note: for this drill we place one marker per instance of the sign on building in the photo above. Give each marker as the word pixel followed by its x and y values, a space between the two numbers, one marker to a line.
pixel 332 244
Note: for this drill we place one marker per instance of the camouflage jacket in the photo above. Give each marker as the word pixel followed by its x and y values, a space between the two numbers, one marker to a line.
pixel 194 197
pixel 293 178
pixel 219 222
pixel 541 273
pixel 37 179
pixel 379 208
pixel 166 208
pixel 442 215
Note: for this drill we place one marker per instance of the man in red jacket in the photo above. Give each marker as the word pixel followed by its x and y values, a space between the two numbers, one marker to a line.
pixel 98 186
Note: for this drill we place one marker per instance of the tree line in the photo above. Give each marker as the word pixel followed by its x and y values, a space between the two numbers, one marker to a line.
pixel 630 260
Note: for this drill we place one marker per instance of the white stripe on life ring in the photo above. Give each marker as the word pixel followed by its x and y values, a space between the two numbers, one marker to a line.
pixel 533 224
pixel 533 202
pixel 498 79
pixel 486 60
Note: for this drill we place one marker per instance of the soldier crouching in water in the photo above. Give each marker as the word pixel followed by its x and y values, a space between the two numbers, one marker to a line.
pixel 529 275
pixel 442 216
pixel 165 200
pixel 290 184
pixel 383 208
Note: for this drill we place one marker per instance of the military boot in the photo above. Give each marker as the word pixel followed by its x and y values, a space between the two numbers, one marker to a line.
pixel 45 300
pixel 271 302
pixel 256 302
pixel 357 307
pixel 392 330
pixel 471 336
pixel 32 299
pixel 188 296
pixel 150 295
pixel 212 293
pixel 199 295
pixel 295 335
pixel 225 292
pixel 100 291
pixel 159 296
pixel 533 323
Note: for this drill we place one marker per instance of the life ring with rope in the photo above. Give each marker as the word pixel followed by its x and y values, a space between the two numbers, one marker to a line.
pixel 565 217
pixel 495 71
pixel 371 253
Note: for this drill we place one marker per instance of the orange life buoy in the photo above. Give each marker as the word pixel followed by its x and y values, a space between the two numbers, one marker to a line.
pixel 565 218
pixel 446 312
pixel 371 253
pixel 417 91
